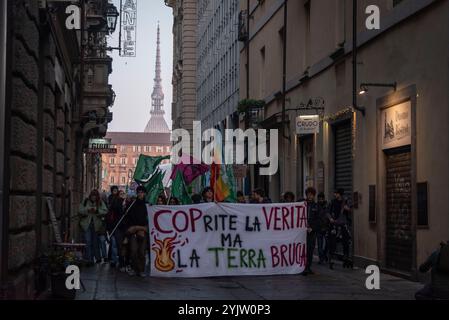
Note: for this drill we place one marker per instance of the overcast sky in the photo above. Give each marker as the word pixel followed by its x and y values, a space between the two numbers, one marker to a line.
pixel 132 78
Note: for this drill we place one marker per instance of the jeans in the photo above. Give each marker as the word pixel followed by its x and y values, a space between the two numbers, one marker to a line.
pixel 116 242
pixel 322 244
pixel 138 246
pixel 91 240
pixel 311 240
pixel 102 244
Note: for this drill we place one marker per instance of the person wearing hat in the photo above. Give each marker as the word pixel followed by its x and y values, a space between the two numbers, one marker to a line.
pixel 137 233
pixel 339 211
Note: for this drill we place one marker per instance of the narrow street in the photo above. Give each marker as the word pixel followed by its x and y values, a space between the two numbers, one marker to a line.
pixel 104 283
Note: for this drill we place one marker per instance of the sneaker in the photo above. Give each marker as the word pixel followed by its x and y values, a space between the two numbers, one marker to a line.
pixel 122 269
pixel 142 275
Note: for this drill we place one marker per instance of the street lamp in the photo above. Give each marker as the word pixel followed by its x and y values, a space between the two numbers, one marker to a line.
pixel 112 15
pixel 364 86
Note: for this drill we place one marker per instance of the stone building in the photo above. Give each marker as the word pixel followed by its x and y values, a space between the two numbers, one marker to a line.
pixel 217 64
pixel 46 121
pixel 184 62
pixel 389 150
pixel 118 169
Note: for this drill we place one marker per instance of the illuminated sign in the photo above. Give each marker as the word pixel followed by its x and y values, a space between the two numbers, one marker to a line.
pixel 308 124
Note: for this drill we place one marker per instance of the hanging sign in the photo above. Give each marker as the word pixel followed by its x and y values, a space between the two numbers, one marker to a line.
pixel 308 124
pixel 128 19
pixel 101 146
pixel 397 126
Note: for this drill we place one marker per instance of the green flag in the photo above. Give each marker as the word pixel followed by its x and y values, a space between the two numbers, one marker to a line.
pixel 146 166
pixel 155 187
pixel 179 190
pixel 230 180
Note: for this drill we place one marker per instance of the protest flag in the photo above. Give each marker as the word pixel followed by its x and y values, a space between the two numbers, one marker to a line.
pixel 179 190
pixel 155 187
pixel 146 166
pixel 190 169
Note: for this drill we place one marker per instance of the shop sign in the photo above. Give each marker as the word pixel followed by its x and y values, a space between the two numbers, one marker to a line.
pixel 101 146
pixel 397 126
pixel 308 124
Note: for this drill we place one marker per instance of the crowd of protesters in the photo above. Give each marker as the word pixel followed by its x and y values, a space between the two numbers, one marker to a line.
pixel 106 226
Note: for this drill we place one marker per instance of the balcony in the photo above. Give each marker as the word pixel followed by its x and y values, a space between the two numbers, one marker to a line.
pixel 243 26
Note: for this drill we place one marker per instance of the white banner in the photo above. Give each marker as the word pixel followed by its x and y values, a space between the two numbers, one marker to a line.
pixel 211 240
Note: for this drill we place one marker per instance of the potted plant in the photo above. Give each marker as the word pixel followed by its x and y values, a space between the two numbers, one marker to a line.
pixel 59 260
pixel 246 104
pixel 253 111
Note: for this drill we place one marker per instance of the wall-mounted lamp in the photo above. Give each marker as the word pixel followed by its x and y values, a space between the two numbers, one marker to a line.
pixel 112 17
pixel 364 86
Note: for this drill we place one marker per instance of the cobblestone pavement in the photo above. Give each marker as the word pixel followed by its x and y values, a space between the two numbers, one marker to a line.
pixel 104 283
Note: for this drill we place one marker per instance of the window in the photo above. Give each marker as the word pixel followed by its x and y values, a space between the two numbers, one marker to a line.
pixel 123 180
pixel 112 161
pixel 134 149
pixel 135 161
pixel 159 149
pixel 123 161
pixel 122 148
pixel 168 149
pixel 112 180
pixel 139 149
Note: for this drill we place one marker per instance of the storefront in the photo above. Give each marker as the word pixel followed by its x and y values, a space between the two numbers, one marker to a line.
pixel 397 180
pixel 342 131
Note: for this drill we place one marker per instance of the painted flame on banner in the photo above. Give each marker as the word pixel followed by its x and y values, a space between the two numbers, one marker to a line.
pixel 164 253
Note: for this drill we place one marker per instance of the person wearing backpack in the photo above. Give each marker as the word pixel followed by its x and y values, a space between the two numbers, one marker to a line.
pixel 438 262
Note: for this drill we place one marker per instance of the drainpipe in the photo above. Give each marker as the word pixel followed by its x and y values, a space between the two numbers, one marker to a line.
pixel 247 48
pixel 3 154
pixel 284 92
pixel 354 59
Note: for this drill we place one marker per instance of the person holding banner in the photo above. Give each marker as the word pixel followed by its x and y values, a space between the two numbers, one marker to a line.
pixel 208 195
pixel 313 227
pixel 137 233
pixel 258 196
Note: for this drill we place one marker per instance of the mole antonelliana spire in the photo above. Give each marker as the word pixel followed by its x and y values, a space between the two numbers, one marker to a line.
pixel 157 123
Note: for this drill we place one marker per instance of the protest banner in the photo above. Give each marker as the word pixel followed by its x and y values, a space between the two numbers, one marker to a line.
pixel 224 239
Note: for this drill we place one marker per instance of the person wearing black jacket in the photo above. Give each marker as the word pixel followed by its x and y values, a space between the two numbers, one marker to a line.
pixel 137 233
pixel 313 227
pixel 339 231
pixel 115 213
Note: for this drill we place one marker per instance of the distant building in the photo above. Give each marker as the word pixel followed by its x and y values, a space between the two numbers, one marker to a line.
pixel 184 62
pixel 157 123
pixel 218 59
pixel 118 169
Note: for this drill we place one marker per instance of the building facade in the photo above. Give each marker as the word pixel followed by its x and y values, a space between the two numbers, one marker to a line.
pixel 54 100
pixel 118 169
pixel 184 62
pixel 297 57
pixel 217 63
